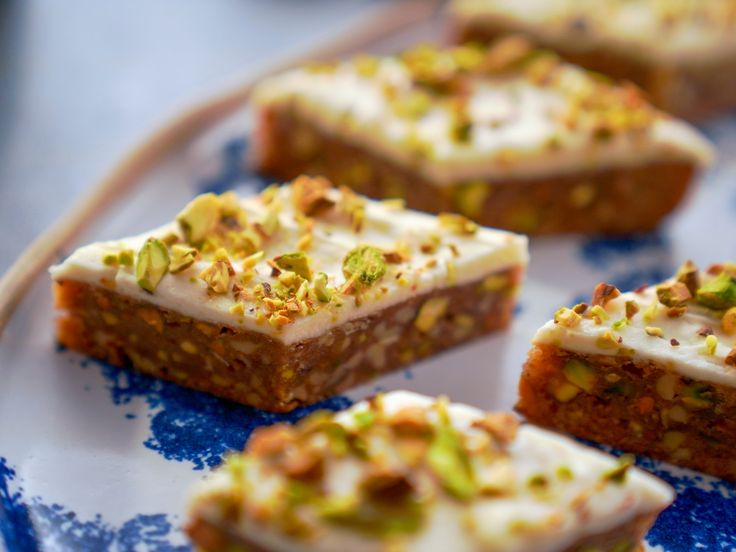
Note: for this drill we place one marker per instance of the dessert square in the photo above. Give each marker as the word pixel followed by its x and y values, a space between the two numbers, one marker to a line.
pixel 682 53
pixel 651 371
pixel 284 298
pixel 507 135
pixel 407 472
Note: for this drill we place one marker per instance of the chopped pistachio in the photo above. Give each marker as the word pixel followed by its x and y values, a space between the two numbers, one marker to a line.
pixel 364 263
pixel 152 263
pixel 598 314
pixel 631 309
pixel 618 474
pixel 603 293
pixel 430 313
pixel 620 324
pixel 654 331
pixel 269 223
pixel 321 291
pixel 126 257
pixel 711 343
pixel 730 359
pixel 567 317
pixel 674 294
pixel 310 195
pixel 182 257
pixel 688 275
pixel 458 224
pixel 200 217
pixel 581 374
pixel 449 460
pixel 217 276
pixel 252 260
pixel 295 262
pixel 719 293
pixel 110 259
pixel 650 313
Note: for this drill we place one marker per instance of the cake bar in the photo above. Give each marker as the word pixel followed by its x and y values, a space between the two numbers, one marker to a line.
pixel 284 298
pixel 651 371
pixel 681 52
pixel 409 473
pixel 507 135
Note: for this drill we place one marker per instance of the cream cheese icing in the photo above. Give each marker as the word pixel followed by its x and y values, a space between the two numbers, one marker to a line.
pixel 518 127
pixel 689 355
pixel 458 259
pixel 663 31
pixel 577 507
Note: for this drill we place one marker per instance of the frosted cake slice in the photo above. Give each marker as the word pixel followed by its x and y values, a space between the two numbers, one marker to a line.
pixel 651 371
pixel 506 135
pixel 284 298
pixel 682 52
pixel 407 472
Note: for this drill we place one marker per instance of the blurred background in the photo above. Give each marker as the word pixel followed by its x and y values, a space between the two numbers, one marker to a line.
pixel 81 82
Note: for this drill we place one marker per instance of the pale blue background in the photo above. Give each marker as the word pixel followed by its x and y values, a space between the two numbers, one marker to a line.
pixel 81 81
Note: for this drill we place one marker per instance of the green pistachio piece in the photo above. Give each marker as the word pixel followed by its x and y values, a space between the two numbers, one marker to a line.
pixel 430 313
pixel 580 374
pixel 126 257
pixel 182 257
pixel 217 276
pixel 365 263
pixel 688 275
pixel 110 259
pixel 457 224
pixel 449 460
pixel 675 294
pixel 200 217
pixel 719 293
pixel 321 291
pixel 295 262
pixel 618 473
pixel 151 264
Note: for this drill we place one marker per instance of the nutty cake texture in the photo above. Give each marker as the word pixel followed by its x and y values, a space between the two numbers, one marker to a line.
pixel 681 52
pixel 405 472
pixel 284 298
pixel 651 371
pixel 507 135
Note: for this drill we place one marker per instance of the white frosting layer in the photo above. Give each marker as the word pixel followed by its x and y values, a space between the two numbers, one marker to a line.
pixel 580 506
pixel 665 31
pixel 485 252
pixel 514 122
pixel 689 358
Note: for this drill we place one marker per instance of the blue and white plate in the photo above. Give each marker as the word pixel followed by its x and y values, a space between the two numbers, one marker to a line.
pixel 97 458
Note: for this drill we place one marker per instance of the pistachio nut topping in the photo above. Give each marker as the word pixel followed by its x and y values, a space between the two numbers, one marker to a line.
pixel 403 471
pixel 182 257
pixel 476 113
pixel 686 323
pixel 296 262
pixel 242 263
pixel 364 264
pixel 152 263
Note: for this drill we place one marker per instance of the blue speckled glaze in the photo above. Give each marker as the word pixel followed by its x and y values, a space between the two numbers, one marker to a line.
pixel 189 426
pixel 28 524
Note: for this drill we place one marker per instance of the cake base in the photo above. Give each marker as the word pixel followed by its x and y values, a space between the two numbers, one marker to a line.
pixel 694 91
pixel 255 369
pixel 611 201
pixel 212 537
pixel 635 406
